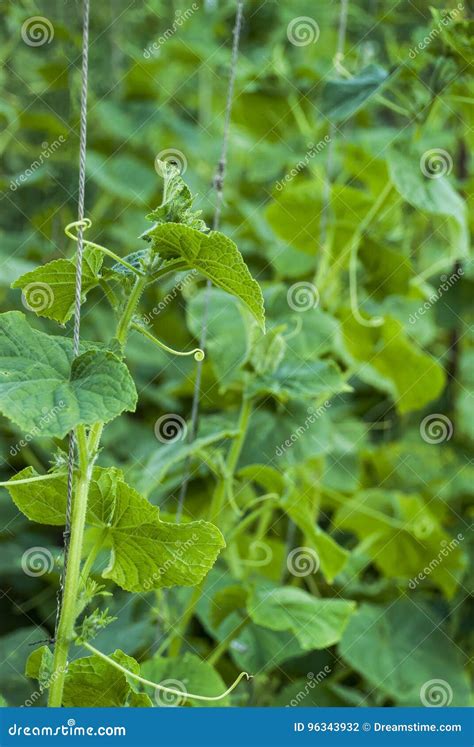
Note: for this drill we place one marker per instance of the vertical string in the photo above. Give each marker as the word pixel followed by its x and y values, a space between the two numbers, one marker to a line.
pixel 218 184
pixel 78 289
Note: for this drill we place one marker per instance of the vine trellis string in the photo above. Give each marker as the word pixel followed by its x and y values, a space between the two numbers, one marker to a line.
pixel 83 223
pixel 218 184
pixel 78 290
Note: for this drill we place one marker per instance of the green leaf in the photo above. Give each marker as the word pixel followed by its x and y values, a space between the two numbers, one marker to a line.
pixel 399 647
pixel 177 200
pixel 331 556
pixel 49 290
pixel 92 682
pixel 342 97
pixel 145 552
pixel 300 380
pixel 316 623
pixel 412 385
pixel 187 673
pixel 434 196
pixel 402 551
pixel 45 392
pixel 39 666
pixel 215 256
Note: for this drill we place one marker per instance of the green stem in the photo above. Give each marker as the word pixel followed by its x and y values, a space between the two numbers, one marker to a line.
pixel 197 352
pixel 87 448
pixel 93 553
pixel 27 480
pixel 67 618
pixel 158 686
pixel 130 308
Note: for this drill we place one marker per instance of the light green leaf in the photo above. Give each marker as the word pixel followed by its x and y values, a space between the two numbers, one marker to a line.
pixel 316 623
pixel 39 666
pixel 300 380
pixel 404 552
pixel 412 385
pixel 215 256
pixel 398 648
pixel 145 552
pixel 49 290
pixel 434 196
pixel 331 556
pixel 342 97
pixel 92 682
pixel 191 675
pixel 45 392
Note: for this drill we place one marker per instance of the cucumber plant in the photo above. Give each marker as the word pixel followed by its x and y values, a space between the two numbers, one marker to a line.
pixel 38 370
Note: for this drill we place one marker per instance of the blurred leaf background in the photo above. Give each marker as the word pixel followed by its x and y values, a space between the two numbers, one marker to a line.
pixel 390 497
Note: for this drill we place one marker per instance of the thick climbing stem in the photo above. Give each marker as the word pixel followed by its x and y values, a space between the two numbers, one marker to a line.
pixel 65 633
pixel 87 449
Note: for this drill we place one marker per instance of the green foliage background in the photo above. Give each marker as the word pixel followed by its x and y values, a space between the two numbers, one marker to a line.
pixel 359 486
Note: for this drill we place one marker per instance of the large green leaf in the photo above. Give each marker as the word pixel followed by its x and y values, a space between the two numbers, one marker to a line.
pixel 45 392
pixel 412 385
pixel 300 380
pixel 342 97
pixel 435 195
pixel 316 623
pixel 187 673
pixel 145 552
pixel 413 546
pixel 400 647
pixel 215 256
pixel 49 290
pixel 92 682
